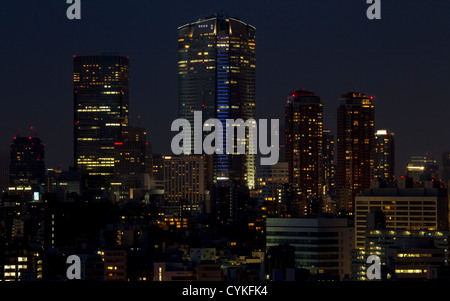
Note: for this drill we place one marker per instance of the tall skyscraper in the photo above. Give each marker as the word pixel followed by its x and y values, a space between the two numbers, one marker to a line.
pixel 304 143
pixel 27 167
pixel 384 158
pixel 355 144
pixel 101 98
pixel 216 75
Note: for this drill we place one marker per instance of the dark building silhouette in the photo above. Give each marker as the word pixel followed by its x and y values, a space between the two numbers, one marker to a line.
pixel 445 172
pixel 131 153
pixel 4 172
pixel 278 260
pixel 422 169
pixel 27 167
pixel 329 168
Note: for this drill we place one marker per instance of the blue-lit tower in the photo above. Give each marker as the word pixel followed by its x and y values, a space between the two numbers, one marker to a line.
pixel 216 75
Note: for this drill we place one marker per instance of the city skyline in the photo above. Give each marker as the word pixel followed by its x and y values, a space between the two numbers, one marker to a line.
pixel 101 182
pixel 370 70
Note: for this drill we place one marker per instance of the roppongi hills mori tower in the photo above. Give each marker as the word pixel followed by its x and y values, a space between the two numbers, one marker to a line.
pixel 216 76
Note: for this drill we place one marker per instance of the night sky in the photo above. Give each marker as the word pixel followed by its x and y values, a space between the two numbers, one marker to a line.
pixel 325 46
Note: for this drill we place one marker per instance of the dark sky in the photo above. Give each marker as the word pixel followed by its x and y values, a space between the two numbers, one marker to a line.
pixel 326 46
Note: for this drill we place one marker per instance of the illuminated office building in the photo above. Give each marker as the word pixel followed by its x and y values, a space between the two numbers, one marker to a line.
pixel 183 178
pixel 101 98
pixel 384 158
pixel 216 75
pixel 27 167
pixel 304 144
pixel 355 144
pixel 404 254
pixel 405 208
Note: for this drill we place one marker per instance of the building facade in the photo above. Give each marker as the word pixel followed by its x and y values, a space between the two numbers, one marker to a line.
pixel 269 184
pixel 304 144
pixel 131 154
pixel 101 99
pixel 322 245
pixel 27 167
pixel 422 168
pixel 405 209
pixel 216 76
pixel 355 145
pixel 184 181
pixel 384 158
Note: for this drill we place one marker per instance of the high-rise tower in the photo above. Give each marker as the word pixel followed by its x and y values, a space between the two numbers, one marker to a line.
pixel 304 144
pixel 355 144
pixel 100 89
pixel 216 75
pixel 384 158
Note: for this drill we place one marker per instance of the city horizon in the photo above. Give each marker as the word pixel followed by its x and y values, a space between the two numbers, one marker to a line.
pixel 268 142
pixel 60 154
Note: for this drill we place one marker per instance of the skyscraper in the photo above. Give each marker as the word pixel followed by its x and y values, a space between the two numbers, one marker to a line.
pixel 101 98
pixel 355 144
pixel 384 158
pixel 216 75
pixel 26 167
pixel 304 143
